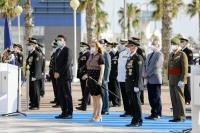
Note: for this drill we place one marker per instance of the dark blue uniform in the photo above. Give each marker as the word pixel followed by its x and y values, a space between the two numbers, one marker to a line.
pixel 113 84
pixel 134 79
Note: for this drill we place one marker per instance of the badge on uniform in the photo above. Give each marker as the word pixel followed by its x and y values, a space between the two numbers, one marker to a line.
pixel 139 62
pixel 37 59
pixel 30 59
pixel 129 72
pixel 83 58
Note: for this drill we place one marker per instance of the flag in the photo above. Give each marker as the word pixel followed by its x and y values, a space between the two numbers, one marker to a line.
pixel 7 35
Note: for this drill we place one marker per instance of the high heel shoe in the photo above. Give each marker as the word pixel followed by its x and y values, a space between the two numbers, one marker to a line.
pixel 98 119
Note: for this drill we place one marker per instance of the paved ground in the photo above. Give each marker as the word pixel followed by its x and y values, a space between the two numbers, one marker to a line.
pixel 18 125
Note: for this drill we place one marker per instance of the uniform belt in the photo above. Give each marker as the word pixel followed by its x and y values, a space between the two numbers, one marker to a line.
pixel 174 71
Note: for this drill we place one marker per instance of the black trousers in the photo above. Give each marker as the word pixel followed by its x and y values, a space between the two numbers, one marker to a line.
pixel 154 94
pixel 83 86
pixel 113 86
pixel 125 99
pixel 86 97
pixel 34 93
pixel 187 91
pixel 64 96
pixel 135 103
pixel 55 90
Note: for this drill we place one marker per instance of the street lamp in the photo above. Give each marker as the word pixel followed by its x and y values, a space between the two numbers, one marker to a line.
pixel 19 10
pixel 75 4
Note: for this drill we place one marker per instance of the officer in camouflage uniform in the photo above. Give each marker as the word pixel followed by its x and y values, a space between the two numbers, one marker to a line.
pixel 177 73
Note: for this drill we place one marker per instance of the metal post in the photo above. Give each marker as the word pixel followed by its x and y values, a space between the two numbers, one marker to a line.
pixel 125 19
pixel 19 29
pixel 75 45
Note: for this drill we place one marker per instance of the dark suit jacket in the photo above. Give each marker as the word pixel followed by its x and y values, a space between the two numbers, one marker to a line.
pixel 63 63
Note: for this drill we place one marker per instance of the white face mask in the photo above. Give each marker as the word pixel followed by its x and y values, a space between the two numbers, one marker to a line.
pixel 82 49
pixel 60 44
pixel 121 47
pixel 29 48
pixel 173 48
pixel 92 50
pixel 114 49
pixel 128 50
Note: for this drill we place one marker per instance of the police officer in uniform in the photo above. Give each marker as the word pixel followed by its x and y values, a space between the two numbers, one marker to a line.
pixel 113 84
pixel 177 73
pixel 19 58
pixel 55 47
pixel 83 57
pixel 142 53
pixel 185 48
pixel 34 65
pixel 134 82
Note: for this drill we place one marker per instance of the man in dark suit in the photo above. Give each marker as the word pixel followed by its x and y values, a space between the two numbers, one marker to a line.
pixel 64 76
pixel 185 48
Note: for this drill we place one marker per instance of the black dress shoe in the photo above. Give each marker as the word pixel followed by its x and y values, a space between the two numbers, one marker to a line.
pixel 56 106
pixel 53 101
pixel 81 108
pixel 177 120
pixel 34 108
pixel 104 113
pixel 151 117
pixel 125 115
pixel 80 99
pixel 136 124
pixel 64 116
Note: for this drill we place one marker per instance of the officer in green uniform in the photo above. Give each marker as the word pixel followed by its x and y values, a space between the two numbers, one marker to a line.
pixel 177 74
pixel 134 82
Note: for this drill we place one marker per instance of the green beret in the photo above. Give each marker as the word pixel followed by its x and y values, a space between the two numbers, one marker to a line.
pixel 175 41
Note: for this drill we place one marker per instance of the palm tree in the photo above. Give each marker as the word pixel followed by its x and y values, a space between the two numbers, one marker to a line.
pixel 193 9
pixel 90 7
pixel 101 19
pixel 132 17
pixel 166 10
pixel 28 22
pixel 96 18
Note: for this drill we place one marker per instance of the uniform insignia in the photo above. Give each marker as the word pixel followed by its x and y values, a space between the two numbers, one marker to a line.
pixel 115 62
pixel 130 73
pixel 139 62
pixel 30 59
pixel 37 59
pixel 83 58
pixel 20 58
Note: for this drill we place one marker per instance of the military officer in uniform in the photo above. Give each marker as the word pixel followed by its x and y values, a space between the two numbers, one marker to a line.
pixel 134 82
pixel 141 52
pixel 177 73
pixel 83 57
pixel 113 84
pixel 185 48
pixel 34 65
